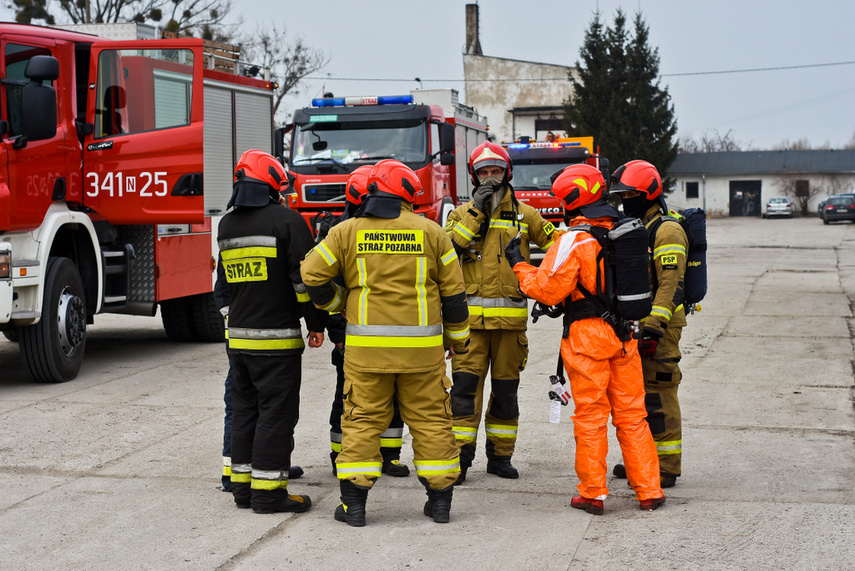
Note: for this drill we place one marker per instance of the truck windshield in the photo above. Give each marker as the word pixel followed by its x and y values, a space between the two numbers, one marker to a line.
pixel 534 176
pixel 360 142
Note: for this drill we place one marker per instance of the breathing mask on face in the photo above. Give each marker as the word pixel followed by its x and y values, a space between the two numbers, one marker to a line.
pixel 495 181
pixel 635 206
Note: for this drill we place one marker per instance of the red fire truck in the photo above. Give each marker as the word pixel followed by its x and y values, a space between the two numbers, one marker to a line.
pixel 105 146
pixel 536 161
pixel 427 130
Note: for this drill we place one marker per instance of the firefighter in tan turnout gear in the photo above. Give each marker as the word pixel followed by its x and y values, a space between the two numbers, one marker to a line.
pixel 498 312
pixel 405 305
pixel 640 188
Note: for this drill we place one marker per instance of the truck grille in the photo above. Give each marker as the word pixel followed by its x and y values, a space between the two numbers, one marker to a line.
pixel 328 192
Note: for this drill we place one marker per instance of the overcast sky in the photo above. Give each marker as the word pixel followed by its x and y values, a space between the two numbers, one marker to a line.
pixel 405 39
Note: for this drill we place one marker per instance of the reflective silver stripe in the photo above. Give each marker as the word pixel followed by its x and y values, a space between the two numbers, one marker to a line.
pixel 393 433
pixel 270 474
pixel 496 302
pixel 244 241
pixel 394 330
pixel 335 436
pixel 241 468
pixel 633 297
pixel 299 287
pixel 241 333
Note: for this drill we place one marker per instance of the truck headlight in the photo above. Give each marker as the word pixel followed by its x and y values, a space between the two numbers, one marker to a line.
pixel 5 265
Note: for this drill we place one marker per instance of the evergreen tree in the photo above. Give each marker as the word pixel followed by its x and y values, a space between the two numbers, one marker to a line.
pixel 618 99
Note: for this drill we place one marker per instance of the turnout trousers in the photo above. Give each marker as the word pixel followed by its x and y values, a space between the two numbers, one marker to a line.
pixel 266 403
pixel 662 378
pixel 504 353
pixel 609 381
pixel 425 408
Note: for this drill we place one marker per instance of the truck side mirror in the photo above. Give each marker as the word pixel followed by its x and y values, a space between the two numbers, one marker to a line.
pixel 38 112
pixel 279 142
pixel 41 68
pixel 446 159
pixel 446 138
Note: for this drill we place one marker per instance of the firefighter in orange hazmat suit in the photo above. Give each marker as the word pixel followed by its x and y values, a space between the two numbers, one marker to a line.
pixel 604 372
pixel 405 303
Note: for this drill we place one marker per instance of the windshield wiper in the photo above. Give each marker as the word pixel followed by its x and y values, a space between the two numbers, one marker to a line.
pixel 378 158
pixel 313 159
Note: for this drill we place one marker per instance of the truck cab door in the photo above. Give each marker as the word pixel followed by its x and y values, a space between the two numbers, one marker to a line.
pixel 142 149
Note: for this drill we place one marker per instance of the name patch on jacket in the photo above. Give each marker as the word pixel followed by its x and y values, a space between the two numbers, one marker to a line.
pixel 245 270
pixel 390 242
pixel 669 262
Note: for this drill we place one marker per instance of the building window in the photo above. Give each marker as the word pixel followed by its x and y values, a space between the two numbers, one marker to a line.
pixel 802 188
pixel 691 190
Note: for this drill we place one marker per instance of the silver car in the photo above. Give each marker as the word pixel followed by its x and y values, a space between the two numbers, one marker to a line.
pixel 779 206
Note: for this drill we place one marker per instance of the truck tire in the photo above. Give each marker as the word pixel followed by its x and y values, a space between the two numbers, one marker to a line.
pixel 53 348
pixel 11 335
pixel 207 319
pixel 177 319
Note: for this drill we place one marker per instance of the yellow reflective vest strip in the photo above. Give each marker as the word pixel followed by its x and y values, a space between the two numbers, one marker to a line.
pixel 337 303
pixel 464 231
pixel 251 252
pixel 363 297
pixel 421 292
pixel 497 307
pixel 669 249
pixel 457 333
pixel 661 312
pixel 449 257
pixel 265 339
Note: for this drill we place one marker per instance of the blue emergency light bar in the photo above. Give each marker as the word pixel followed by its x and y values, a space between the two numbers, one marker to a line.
pixel 367 100
pixel 542 145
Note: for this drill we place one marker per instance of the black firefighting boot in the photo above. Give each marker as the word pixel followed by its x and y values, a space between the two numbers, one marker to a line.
pixel 500 465
pixel 277 501
pixel 242 494
pixel 295 472
pixel 392 464
pixel 467 455
pixel 352 506
pixel 438 504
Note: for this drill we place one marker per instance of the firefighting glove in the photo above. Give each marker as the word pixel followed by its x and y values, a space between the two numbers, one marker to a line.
pixel 512 251
pixel 482 196
pixel 648 343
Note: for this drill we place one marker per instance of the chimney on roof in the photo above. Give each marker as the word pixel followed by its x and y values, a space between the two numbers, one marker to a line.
pixel 473 44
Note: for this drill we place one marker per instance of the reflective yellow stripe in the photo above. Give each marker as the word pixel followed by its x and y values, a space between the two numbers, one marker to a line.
pixel 370 469
pixel 393 341
pixel 509 224
pixel 391 442
pixel 363 296
pixel 268 484
pixel 448 257
pixel 241 477
pixel 549 245
pixel 457 333
pixel 465 433
pixel 335 305
pixel 661 311
pixel 266 344
pixel 669 447
pixel 253 252
pixel 464 231
pixel 335 446
pixel 303 297
pixel 227 470
pixel 326 253
pixel 668 249
pixel 500 430
pixel 433 467
pixel 421 292
pixel 498 311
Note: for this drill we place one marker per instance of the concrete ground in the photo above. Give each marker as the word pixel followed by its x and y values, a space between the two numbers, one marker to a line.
pixel 119 468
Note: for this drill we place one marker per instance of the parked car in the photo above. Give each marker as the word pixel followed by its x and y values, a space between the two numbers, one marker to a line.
pixel 839 207
pixel 779 206
pixel 820 207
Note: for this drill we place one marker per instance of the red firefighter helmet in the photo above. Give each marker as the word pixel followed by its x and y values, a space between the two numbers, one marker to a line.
pixel 263 167
pixel 489 154
pixel 637 175
pixel 582 187
pixel 357 185
pixel 394 177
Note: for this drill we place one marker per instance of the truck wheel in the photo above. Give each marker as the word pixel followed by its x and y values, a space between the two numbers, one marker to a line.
pixel 53 348
pixel 207 319
pixel 177 319
pixel 12 335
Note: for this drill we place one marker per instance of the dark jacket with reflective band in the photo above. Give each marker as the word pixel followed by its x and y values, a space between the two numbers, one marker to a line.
pixel 495 299
pixel 668 265
pixel 403 291
pixel 261 250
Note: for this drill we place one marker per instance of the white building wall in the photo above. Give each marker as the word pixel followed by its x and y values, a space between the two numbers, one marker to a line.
pixel 522 84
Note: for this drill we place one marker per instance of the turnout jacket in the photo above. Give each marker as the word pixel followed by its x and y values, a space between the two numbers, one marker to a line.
pixel 403 291
pixel 494 296
pixel 261 249
pixel 669 248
